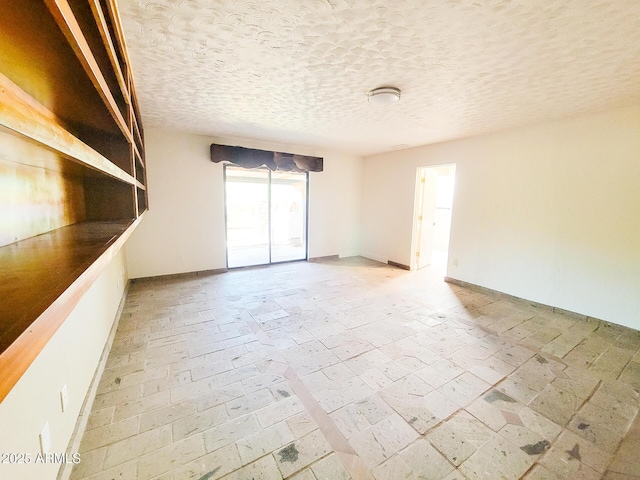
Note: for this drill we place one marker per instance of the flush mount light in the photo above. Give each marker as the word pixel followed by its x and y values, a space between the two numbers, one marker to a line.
pixel 384 95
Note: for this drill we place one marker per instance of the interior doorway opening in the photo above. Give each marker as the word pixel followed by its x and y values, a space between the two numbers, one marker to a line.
pixel 432 215
pixel 265 216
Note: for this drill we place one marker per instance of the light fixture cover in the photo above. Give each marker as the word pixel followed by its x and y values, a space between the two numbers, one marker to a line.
pixel 384 95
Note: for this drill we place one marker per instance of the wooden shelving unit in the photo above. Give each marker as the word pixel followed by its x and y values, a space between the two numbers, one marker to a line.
pixel 72 165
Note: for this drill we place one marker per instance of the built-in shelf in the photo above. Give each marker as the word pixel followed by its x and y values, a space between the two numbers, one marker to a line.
pixel 22 115
pixel 79 39
pixel 142 200
pixel 72 164
pixel 37 270
pixel 41 281
pixel 107 33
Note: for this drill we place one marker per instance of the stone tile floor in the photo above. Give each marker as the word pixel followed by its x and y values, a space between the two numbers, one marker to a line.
pixel 352 369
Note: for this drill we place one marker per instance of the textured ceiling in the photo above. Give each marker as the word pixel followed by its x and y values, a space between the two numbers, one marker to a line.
pixel 298 71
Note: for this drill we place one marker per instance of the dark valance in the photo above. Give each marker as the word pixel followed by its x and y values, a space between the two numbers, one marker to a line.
pixel 252 158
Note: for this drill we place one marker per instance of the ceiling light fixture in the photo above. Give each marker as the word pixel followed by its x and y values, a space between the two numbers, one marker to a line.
pixel 384 95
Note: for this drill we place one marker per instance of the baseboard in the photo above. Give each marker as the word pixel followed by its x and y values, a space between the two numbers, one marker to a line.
pixel 374 257
pixel 398 265
pixel 325 258
pixel 531 303
pixel 174 276
pixel 81 423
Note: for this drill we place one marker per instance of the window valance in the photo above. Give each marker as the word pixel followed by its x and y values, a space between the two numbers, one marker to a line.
pixel 253 158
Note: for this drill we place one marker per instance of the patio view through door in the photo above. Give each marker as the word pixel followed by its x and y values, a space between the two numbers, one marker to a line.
pixel 266 216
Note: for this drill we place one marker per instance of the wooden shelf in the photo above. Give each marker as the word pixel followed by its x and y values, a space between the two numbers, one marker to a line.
pixel 137 134
pixel 141 201
pixel 117 35
pixel 137 155
pixel 41 281
pixel 140 170
pixel 104 25
pixel 72 164
pixel 97 35
pixel 68 23
pixel 135 110
pixel 35 55
pixel 21 114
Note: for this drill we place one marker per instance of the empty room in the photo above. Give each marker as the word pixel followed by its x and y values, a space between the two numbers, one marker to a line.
pixel 319 240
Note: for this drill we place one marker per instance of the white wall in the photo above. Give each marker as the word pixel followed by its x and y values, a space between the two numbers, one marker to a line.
pixel 184 229
pixel 335 207
pixel 550 212
pixel 70 358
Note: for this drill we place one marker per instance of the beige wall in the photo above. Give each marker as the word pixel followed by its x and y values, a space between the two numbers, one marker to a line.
pixel 335 207
pixel 550 213
pixel 70 358
pixel 184 230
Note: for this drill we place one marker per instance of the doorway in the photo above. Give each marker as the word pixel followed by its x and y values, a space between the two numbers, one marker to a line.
pixel 432 215
pixel 266 216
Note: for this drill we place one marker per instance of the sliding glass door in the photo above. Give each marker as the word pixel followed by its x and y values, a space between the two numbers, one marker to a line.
pixel 288 216
pixel 247 201
pixel 266 216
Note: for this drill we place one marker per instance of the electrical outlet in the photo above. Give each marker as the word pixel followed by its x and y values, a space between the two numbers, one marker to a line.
pixel 45 439
pixel 455 262
pixel 64 398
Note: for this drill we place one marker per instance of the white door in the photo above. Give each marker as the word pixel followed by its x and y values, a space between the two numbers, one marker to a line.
pixel 426 215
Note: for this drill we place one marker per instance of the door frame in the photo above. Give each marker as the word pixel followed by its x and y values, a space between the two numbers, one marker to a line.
pixel 226 220
pixel 417 205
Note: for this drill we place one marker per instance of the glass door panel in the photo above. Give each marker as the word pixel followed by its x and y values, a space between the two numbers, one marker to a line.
pixel 288 216
pixel 247 211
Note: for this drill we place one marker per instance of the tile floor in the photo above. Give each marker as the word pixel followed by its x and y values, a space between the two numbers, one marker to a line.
pixel 349 369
